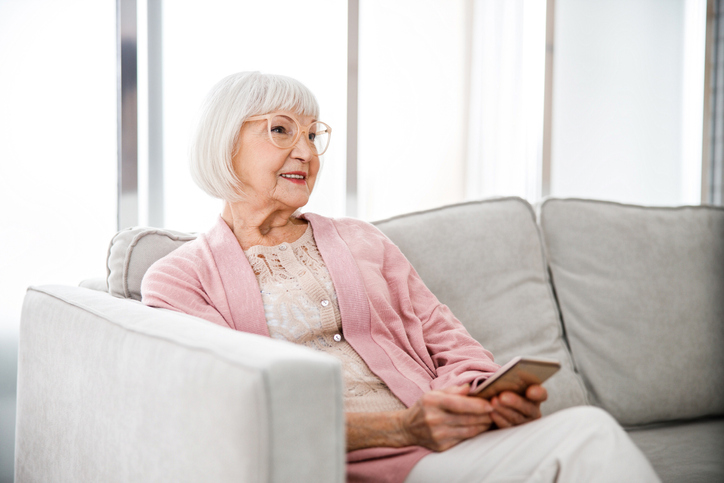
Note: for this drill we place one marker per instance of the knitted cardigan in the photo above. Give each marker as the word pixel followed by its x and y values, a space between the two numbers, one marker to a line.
pixel 399 328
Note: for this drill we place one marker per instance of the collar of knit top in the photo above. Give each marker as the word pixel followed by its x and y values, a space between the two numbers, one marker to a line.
pixel 305 239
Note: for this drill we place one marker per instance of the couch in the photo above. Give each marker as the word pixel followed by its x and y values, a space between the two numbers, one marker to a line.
pixel 629 299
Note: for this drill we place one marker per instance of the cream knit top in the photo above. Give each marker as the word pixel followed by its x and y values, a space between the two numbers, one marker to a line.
pixel 300 305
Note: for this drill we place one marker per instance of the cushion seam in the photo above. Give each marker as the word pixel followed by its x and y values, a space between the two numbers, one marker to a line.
pixel 548 280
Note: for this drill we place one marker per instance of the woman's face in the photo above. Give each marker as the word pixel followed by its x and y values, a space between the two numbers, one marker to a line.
pixel 270 176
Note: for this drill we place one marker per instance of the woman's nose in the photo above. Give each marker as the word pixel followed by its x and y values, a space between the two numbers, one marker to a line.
pixel 303 149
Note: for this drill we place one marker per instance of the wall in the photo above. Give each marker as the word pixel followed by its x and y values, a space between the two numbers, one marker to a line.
pixel 618 100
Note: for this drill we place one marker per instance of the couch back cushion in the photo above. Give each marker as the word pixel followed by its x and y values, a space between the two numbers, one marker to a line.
pixel 132 251
pixel 485 261
pixel 641 291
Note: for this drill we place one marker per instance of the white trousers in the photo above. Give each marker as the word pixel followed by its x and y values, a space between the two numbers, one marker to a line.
pixel 581 444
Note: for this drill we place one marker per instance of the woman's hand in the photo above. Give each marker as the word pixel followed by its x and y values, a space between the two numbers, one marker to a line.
pixel 510 409
pixel 441 419
pixel 438 420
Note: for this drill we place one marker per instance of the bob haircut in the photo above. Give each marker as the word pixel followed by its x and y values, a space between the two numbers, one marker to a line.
pixel 229 103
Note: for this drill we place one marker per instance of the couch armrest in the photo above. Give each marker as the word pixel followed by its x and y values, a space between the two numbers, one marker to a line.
pixel 112 390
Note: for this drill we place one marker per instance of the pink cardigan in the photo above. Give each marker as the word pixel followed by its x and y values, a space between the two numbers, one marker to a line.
pixel 406 336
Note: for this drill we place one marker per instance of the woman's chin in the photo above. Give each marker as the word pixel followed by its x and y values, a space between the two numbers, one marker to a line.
pixel 296 203
pixel 296 200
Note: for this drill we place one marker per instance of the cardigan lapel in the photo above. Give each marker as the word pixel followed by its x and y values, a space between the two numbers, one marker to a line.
pixel 237 276
pixel 346 277
pixel 354 308
pixel 246 306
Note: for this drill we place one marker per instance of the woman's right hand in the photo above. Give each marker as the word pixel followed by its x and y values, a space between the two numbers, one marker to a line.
pixel 441 419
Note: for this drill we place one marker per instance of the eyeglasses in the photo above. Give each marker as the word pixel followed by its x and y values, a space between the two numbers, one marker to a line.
pixel 284 132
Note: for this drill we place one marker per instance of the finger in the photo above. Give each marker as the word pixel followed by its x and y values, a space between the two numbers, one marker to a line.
pixel 459 390
pixel 463 404
pixel 520 404
pixel 450 436
pixel 511 415
pixel 536 393
pixel 500 421
pixel 452 419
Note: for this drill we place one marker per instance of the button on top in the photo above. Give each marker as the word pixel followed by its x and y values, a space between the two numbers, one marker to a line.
pixel 337 337
pixel 282 247
pixel 324 302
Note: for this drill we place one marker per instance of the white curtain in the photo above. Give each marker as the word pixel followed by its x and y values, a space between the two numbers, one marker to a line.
pixel 505 134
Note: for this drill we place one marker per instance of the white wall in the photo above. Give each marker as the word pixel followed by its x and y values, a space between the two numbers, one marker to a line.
pixel 618 100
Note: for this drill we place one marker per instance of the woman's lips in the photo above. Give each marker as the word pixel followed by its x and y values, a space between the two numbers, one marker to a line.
pixel 295 177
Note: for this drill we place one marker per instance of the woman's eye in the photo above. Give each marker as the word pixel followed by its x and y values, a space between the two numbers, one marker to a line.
pixel 278 130
pixel 312 136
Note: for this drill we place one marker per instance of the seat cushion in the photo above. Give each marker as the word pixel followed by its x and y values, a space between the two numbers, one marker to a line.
pixel 485 261
pixel 684 451
pixel 641 291
pixel 132 251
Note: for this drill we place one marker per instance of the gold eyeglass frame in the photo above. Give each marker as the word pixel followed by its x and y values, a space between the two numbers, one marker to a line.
pixel 268 118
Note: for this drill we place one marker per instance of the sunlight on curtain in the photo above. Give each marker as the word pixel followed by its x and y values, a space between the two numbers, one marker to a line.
pixel 203 44
pixel 506 101
pixel 451 105
pixel 57 162
pixel 57 144
pixel 412 105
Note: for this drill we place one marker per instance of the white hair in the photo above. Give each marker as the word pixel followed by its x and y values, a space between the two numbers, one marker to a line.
pixel 229 103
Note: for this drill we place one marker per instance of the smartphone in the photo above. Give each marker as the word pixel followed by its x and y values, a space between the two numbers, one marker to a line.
pixel 516 376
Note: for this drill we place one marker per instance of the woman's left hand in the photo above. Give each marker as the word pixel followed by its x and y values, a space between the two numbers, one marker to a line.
pixel 511 409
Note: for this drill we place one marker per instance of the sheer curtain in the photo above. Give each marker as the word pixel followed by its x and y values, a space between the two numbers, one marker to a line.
pixel 506 99
pixel 202 44
pixel 57 161
pixel 413 84
pixel 451 102
pixel 57 144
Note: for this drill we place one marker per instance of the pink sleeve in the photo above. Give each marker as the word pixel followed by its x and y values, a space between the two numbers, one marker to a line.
pixel 458 358
pixel 177 282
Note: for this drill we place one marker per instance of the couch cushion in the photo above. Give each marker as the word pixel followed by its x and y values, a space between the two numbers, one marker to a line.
pixel 485 261
pixel 132 251
pixel 684 451
pixel 641 291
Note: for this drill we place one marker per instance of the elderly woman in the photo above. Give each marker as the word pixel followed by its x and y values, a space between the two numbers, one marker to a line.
pixel 341 287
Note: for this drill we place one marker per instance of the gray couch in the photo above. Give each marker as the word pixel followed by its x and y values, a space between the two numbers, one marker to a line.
pixel 630 299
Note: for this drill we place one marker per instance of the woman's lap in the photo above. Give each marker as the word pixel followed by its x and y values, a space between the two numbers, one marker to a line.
pixel 576 444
